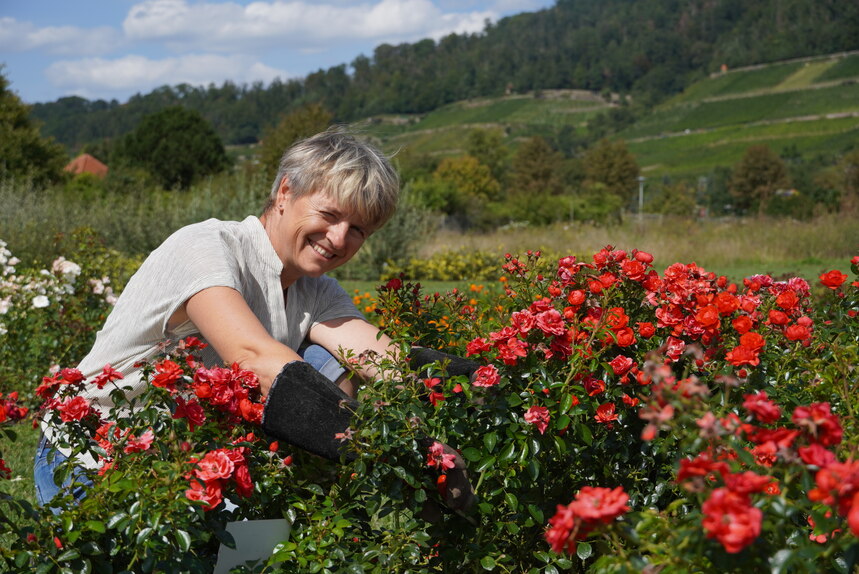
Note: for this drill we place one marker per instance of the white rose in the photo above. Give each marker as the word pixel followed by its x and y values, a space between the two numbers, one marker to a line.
pixel 97 286
pixel 40 302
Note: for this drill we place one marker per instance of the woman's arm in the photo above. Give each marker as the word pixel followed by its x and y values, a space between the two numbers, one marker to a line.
pixel 228 324
pixel 358 336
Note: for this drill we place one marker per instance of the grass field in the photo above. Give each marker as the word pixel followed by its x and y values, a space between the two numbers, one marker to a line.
pixel 443 131
pixel 697 152
pixel 735 248
pixel 738 82
pixel 845 68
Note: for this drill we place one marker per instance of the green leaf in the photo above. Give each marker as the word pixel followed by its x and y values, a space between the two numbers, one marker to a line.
pixel 90 548
pixel 124 483
pixel 96 525
pixel 114 520
pixel 508 452
pixel 584 550
pixel 511 501
pixel 533 469
pixel 143 535
pixel 485 463
pixel 22 558
pixel 184 540
pixel 513 400
pixel 585 433
pixel 562 422
pixel 489 441
pixel 69 554
pixel 566 403
pixel 487 562
pixel 472 454
pixel 523 455
pixel 535 511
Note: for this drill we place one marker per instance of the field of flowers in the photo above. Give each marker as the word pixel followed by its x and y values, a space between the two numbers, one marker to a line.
pixel 623 419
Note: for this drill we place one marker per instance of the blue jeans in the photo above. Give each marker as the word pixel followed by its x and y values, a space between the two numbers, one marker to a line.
pixel 48 459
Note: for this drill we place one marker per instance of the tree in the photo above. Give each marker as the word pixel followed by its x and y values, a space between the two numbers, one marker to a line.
pixel 756 178
pixel 176 145
pixel 677 199
pixel 466 186
pixel 611 164
pixel 489 149
pixel 469 177
pixel 536 191
pixel 534 169
pixel 23 151
pixel 298 124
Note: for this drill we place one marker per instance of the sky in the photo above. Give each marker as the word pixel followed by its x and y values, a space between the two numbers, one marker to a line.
pixel 113 49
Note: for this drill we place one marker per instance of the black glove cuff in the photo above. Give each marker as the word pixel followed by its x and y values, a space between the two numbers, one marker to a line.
pixel 419 357
pixel 306 409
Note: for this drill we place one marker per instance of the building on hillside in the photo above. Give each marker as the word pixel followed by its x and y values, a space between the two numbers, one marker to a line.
pixel 85 163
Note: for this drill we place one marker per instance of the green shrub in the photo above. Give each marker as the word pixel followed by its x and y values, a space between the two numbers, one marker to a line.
pixel 621 421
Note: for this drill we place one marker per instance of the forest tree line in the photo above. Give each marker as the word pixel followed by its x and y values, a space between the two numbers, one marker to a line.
pixel 647 48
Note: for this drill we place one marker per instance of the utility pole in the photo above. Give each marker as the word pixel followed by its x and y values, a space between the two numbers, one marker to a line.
pixel 641 179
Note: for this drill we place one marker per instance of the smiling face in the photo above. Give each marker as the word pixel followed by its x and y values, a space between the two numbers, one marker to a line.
pixel 312 234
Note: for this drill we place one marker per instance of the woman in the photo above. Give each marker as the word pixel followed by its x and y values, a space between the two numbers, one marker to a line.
pixel 256 292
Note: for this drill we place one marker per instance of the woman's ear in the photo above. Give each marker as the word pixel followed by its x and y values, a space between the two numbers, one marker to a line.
pixel 283 194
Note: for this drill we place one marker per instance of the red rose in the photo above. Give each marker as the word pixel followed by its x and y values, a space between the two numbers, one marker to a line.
pixel 539 417
pixel 621 365
pixel 596 504
pixel 833 279
pixel 215 465
pixel 761 407
pixel 731 519
pixel 486 376
pixel 74 409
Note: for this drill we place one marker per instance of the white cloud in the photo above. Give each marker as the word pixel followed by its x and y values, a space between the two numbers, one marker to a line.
pixel 16 36
pixel 90 76
pixel 297 24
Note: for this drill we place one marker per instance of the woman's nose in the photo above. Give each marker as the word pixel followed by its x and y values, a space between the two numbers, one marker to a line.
pixel 337 234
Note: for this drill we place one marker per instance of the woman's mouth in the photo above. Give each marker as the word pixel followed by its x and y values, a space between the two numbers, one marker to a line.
pixel 320 250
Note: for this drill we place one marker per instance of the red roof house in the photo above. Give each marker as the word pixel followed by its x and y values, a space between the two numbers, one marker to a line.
pixel 85 163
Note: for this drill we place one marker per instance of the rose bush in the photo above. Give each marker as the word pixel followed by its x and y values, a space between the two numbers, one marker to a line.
pixel 622 420
pixel 49 315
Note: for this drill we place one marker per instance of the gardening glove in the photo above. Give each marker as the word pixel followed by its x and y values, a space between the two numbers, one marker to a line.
pixel 455 488
pixel 307 410
pixel 420 357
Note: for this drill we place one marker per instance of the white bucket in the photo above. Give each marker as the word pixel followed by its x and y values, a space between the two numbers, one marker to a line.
pixel 255 540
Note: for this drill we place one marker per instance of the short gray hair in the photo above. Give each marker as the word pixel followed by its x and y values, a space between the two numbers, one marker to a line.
pixel 350 171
